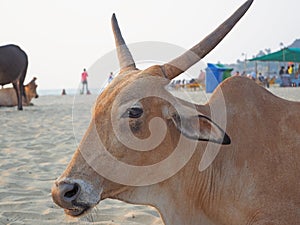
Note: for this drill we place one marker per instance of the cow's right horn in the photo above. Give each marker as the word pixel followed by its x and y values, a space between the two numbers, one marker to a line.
pixel 196 53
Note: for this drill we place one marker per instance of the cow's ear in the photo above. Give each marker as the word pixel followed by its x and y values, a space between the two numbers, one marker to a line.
pixel 197 126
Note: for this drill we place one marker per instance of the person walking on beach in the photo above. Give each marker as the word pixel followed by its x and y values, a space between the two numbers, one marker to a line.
pixel 281 71
pixel 84 82
pixel 287 70
pixel 291 69
pixel 111 77
pixel 237 73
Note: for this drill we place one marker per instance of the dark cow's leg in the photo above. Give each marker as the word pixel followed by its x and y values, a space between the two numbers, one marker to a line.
pixel 19 93
pixel 21 88
pixel 22 79
pixel 21 83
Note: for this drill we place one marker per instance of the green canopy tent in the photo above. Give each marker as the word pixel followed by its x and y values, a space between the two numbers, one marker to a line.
pixel 284 55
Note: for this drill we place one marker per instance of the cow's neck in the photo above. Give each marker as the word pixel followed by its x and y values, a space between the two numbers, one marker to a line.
pixel 188 202
pixel 178 203
pixel 182 214
pixel 174 210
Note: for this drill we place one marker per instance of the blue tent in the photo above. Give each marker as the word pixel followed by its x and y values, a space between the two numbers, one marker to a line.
pixel 215 74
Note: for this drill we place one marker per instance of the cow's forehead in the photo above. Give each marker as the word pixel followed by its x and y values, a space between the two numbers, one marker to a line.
pixel 132 87
pixel 143 86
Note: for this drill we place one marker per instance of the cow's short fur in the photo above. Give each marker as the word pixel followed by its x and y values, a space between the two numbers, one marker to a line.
pixel 253 135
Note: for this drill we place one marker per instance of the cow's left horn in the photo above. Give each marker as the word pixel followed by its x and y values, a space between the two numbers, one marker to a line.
pixel 125 58
pixel 189 58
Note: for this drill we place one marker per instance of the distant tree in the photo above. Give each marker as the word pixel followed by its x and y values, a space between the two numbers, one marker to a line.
pixel 238 61
pixel 267 68
pixel 268 50
pixel 260 53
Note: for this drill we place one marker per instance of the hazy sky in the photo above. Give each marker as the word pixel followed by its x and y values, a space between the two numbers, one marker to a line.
pixel 61 37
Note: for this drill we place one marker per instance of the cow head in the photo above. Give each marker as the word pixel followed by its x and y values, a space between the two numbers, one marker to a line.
pixel 30 90
pixel 136 124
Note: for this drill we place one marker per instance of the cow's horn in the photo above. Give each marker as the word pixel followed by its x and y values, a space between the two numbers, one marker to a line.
pixel 125 58
pixel 189 58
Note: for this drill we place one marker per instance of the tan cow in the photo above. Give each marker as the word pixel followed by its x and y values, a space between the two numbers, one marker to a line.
pixel 8 96
pixel 193 172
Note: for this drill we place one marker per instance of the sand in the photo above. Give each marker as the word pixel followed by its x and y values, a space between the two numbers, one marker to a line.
pixel 35 147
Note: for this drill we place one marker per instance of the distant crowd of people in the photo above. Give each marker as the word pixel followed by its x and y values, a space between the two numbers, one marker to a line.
pixel 289 76
pixel 262 80
pixel 84 83
pixel 286 74
pixel 291 71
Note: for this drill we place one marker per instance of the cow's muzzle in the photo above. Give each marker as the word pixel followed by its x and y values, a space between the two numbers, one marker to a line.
pixel 69 194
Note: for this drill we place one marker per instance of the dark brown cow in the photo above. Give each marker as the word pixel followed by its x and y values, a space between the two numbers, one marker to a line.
pixel 13 68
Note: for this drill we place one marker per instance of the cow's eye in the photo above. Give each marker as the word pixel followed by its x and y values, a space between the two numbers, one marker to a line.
pixel 133 112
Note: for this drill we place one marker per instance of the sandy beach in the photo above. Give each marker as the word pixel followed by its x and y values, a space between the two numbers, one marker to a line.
pixel 35 148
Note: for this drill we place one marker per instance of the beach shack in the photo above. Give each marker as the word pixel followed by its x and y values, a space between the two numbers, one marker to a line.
pixel 215 74
pixel 290 55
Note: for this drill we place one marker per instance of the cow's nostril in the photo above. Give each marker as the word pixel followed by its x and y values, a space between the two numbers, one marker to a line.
pixel 71 194
pixel 65 193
